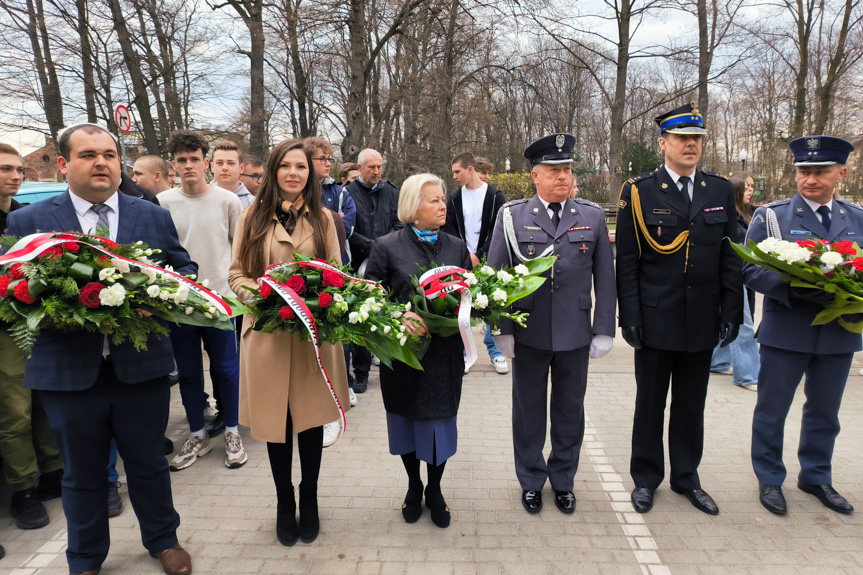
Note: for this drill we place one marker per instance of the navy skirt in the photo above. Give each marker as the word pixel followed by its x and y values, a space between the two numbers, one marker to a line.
pixel 434 440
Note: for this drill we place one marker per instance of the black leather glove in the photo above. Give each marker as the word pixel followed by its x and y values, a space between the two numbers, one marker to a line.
pixel 634 336
pixel 818 296
pixel 728 332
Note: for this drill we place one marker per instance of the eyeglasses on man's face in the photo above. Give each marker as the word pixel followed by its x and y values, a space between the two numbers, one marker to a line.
pixel 325 160
pixel 256 177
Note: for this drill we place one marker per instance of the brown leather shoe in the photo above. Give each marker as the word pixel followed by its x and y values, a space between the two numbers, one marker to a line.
pixel 175 560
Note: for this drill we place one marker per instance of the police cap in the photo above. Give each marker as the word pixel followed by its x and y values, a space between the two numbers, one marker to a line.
pixel 685 120
pixel 553 149
pixel 820 150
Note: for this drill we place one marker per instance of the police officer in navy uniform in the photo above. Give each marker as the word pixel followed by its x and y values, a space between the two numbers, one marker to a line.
pixel 791 346
pixel 559 336
pixel 679 293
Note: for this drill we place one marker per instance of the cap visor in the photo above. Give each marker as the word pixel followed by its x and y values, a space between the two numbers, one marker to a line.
pixel 687 131
pixel 824 163
pixel 553 162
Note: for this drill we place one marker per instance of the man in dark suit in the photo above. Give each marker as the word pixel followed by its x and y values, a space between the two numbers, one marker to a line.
pixel 791 346
pixel 93 390
pixel 679 292
pixel 471 212
pixel 559 336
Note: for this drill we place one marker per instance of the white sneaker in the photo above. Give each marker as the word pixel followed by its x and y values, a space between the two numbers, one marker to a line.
pixel 235 455
pixel 331 433
pixel 375 361
pixel 466 369
pixel 194 448
pixel 210 413
pixel 500 365
pixel 352 397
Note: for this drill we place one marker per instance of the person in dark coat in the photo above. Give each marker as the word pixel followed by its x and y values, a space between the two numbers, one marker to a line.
pixel 421 405
pixel 791 346
pixel 679 293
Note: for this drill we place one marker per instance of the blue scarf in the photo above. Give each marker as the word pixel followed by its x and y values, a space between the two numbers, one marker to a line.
pixel 429 236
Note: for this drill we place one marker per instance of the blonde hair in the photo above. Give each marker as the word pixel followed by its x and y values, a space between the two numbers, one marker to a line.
pixel 410 196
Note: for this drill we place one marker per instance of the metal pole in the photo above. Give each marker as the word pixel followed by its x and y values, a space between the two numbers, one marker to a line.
pixel 123 149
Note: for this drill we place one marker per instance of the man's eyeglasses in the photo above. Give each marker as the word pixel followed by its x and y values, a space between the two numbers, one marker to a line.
pixel 256 177
pixel 325 160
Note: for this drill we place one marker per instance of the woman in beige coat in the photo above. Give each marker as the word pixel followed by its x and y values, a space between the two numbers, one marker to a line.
pixel 282 391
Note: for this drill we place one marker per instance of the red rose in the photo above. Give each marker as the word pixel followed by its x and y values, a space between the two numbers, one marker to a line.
pixel 71 247
pixel 856 262
pixel 15 272
pixel 266 290
pixel 22 292
pixel 108 243
pixel 104 258
pixel 845 248
pixel 89 296
pixel 52 253
pixel 287 313
pixel 296 283
pixel 333 279
pixel 4 285
pixel 325 300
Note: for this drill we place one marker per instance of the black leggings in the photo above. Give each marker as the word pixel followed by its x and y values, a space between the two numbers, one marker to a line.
pixel 310 446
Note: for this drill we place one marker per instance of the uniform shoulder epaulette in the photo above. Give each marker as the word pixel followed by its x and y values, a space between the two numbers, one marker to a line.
pixel 851 204
pixel 777 203
pixel 515 202
pixel 714 174
pixel 643 176
pixel 587 203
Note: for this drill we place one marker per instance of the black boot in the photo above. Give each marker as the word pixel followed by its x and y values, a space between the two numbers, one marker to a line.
pixel 286 518
pixel 310 525
pixel 28 511
pixel 440 515
pixel 412 507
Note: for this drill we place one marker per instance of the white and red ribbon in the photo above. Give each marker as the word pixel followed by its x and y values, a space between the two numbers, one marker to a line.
pixel 433 290
pixel 34 245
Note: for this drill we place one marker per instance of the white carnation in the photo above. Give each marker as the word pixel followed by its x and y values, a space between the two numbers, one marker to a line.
pixel 373 328
pixel 831 259
pixel 139 243
pixel 504 276
pixel 205 283
pixel 165 295
pixel 148 252
pixel 113 296
pixel 521 270
pixel 121 265
pixel 770 245
pixel 470 279
pixel 486 270
pixel 150 274
pixel 153 291
pixel 481 301
pixel 353 317
pixel 408 306
pixel 106 273
pixel 182 294
pixel 499 295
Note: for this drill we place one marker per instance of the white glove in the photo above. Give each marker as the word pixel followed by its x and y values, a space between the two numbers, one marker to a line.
pixel 600 345
pixel 506 345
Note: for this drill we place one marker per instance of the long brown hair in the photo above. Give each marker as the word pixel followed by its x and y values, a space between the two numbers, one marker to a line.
pixel 260 217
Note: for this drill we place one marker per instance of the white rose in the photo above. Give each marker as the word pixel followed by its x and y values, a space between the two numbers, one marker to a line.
pixel 353 317
pixel 481 301
pixel 487 270
pixel 150 274
pixel 504 276
pixel 113 296
pixel 106 273
pixel 499 295
pixel 189 310
pixel 521 270
pixel 121 265
pixel 153 291
pixel 182 294
pixel 831 259
pixel 470 279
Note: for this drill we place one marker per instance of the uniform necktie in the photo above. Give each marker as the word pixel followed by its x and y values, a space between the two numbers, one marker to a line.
pixel 555 218
pixel 825 216
pixel 102 224
pixel 684 183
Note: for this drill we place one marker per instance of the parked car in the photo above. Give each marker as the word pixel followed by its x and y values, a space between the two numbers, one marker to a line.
pixel 32 192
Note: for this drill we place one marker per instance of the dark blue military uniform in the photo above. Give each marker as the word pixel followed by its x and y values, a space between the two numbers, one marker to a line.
pixel 791 347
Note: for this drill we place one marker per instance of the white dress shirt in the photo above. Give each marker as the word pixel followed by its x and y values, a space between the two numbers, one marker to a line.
pixel 676 177
pixel 88 218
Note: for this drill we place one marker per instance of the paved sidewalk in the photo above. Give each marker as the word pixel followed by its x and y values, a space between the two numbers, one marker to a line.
pixel 228 515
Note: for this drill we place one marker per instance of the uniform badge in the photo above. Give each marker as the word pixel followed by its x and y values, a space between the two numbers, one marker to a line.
pixel 799 210
pixel 536 210
pixel 572 211
pixel 621 204
pixel 842 212
pixel 583 249
pixel 658 211
pixel 532 228
pixel 800 233
pixel 531 250
pixel 813 143
pixel 703 184
pixel 716 209
pixel 559 141
pixel 664 186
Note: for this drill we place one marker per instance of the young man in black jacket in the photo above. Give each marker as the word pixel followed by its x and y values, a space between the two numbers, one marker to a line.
pixel 471 212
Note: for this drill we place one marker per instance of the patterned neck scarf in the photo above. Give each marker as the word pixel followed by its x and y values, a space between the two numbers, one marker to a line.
pixel 428 236
pixel 288 214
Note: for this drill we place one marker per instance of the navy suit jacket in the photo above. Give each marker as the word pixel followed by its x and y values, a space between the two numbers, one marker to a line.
pixel 71 361
pixel 787 323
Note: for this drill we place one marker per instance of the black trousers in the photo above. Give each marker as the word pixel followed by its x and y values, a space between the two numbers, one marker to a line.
pixel 688 374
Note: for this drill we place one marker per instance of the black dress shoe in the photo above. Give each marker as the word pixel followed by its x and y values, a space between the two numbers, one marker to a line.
pixel 565 501
pixel 532 500
pixel 50 485
pixel 642 499
pixel 216 426
pixel 827 496
pixel 772 499
pixel 168 447
pixel 28 511
pixel 699 499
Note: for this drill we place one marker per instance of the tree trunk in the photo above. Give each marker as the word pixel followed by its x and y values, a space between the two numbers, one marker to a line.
pixel 357 123
pixel 258 138
pixel 803 18
pixel 615 144
pixel 705 56
pixel 834 71
pixel 300 77
pixel 47 72
pixel 87 61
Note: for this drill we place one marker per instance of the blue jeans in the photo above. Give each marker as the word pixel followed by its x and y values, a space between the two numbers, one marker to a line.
pixel 221 347
pixel 488 340
pixel 742 354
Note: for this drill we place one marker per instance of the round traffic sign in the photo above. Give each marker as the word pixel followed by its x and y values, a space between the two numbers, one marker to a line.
pixel 123 119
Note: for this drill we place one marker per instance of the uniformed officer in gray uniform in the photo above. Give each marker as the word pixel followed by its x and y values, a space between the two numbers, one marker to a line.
pixel 791 346
pixel 559 335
